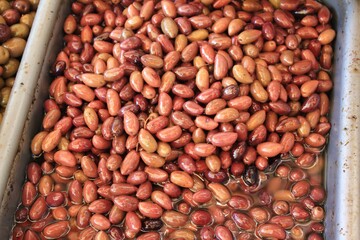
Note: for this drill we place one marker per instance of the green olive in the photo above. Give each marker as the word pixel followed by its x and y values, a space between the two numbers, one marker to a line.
pixel 28 19
pixel 11 68
pixel 275 3
pixel 4 55
pixel 4 5
pixel 20 30
pixel 126 33
pixel 4 96
pixel 15 46
pixel 10 82
pixel 34 4
pixel 207 2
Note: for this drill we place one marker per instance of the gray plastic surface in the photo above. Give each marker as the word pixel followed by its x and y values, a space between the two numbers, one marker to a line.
pixel 343 159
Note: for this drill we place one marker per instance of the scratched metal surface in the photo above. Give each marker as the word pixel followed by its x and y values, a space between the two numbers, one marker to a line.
pixel 343 166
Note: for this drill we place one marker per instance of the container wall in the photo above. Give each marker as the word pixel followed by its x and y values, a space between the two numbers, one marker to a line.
pixel 343 166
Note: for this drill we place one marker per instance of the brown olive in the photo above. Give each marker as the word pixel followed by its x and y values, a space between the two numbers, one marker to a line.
pixel 5 32
pixel 23 6
pixel 11 16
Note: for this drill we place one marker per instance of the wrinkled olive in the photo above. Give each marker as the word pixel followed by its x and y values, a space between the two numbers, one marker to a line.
pixel 251 176
pixel 151 225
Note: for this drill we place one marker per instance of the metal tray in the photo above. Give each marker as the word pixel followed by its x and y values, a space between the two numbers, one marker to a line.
pixel 343 166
